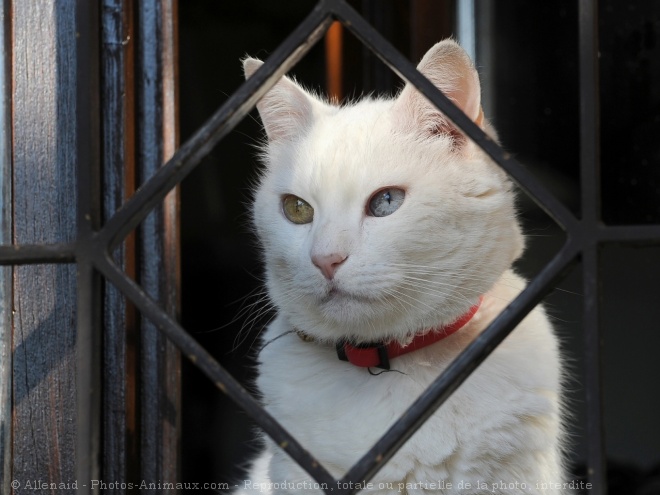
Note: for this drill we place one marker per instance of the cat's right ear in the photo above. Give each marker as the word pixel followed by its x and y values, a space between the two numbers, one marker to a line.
pixel 450 69
pixel 285 110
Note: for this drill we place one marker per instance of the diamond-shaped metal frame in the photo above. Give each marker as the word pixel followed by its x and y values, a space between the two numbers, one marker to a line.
pixel 93 247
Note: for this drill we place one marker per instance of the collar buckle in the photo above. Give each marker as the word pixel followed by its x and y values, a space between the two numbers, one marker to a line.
pixel 365 355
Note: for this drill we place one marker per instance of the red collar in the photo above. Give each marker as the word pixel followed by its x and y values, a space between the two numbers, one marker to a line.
pixel 378 355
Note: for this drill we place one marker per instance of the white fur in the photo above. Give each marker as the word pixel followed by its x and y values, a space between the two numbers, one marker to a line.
pixel 452 240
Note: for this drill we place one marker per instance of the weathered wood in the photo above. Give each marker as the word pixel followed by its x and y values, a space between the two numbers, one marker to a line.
pixel 139 125
pixel 5 238
pixel 44 185
pixel 120 455
pixel 157 139
pixel 53 91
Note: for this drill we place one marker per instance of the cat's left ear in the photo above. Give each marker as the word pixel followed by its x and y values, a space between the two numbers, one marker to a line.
pixel 450 69
pixel 286 110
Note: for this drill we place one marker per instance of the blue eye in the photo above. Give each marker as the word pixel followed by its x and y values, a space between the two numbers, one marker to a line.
pixel 385 201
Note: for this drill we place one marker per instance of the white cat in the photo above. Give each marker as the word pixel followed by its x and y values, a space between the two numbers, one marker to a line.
pixel 380 223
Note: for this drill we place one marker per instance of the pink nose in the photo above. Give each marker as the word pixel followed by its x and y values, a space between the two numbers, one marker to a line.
pixel 328 263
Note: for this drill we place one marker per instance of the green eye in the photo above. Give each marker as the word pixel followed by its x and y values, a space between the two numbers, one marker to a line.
pixel 297 210
pixel 385 201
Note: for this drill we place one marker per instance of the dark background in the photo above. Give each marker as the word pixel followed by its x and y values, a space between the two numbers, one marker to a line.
pixel 533 83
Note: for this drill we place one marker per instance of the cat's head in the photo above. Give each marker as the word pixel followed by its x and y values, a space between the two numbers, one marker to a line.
pixel 379 219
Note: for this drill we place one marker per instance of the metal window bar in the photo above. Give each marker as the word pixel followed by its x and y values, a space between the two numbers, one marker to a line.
pixel 592 227
pixel 93 247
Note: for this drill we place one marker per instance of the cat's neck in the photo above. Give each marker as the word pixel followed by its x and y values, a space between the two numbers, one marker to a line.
pixel 378 354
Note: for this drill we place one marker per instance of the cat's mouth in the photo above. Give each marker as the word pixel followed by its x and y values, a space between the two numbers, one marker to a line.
pixel 334 293
pixel 337 294
pixel 341 306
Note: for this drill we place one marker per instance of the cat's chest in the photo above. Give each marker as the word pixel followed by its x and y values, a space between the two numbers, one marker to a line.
pixel 340 410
